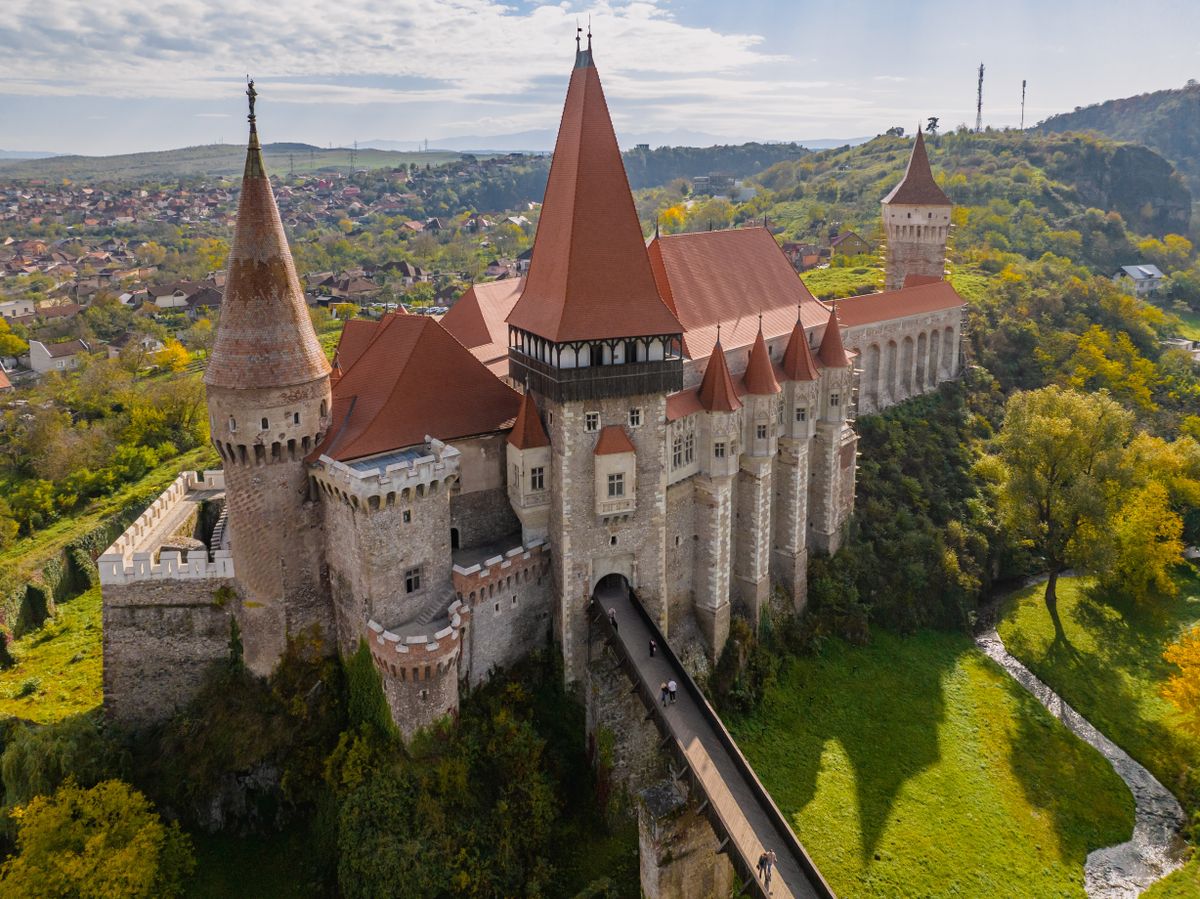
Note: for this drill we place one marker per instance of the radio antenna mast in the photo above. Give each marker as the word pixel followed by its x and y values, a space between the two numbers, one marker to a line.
pixel 979 103
pixel 1023 82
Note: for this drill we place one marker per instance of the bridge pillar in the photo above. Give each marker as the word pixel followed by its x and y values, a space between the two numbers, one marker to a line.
pixel 677 848
pixel 753 537
pixel 624 745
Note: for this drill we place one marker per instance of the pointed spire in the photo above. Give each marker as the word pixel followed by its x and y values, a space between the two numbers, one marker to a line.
pixel 590 276
pixel 832 352
pixel 527 432
pixel 798 361
pixel 760 375
pixel 265 337
pixel 917 187
pixel 716 390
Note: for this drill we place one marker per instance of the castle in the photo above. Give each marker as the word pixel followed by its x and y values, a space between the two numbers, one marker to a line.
pixel 674 416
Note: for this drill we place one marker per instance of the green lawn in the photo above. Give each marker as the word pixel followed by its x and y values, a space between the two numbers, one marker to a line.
pixel 1183 884
pixel 835 282
pixel 1191 324
pixel 1111 669
pixel 58 666
pixel 916 767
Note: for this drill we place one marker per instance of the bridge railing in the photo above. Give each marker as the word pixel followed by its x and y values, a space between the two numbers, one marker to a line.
pixel 743 866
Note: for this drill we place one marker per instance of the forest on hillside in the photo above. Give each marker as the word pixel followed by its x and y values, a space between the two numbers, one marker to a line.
pixel 1167 121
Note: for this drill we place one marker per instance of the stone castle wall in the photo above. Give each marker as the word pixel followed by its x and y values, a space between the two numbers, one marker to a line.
pixel 905 357
pixel 509 596
pixel 419 672
pixel 161 636
pixel 482 516
pixel 916 242
pixel 682 538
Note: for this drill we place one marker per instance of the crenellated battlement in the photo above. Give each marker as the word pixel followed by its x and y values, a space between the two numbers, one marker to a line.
pixel 481 579
pixel 395 477
pixel 424 654
pixel 131 556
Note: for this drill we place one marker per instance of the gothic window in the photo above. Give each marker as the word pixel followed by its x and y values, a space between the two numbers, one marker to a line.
pixel 516 475
pixel 412 580
pixel 635 418
pixel 761 432
pixel 719 449
pixel 835 400
pixel 591 421
pixel 537 478
pixel 677 451
pixel 616 485
pixel 689 448
pixel 801 413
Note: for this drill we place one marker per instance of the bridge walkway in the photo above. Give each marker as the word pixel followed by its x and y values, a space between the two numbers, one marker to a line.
pixel 744 817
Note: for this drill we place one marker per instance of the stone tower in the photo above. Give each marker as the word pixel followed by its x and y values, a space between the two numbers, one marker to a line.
pixel 594 343
pixel 835 444
pixel 269 406
pixel 916 222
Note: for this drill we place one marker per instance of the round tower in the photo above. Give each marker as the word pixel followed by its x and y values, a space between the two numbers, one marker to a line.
pixel 916 222
pixel 269 405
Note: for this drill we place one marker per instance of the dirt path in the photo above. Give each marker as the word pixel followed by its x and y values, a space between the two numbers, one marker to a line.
pixel 1155 849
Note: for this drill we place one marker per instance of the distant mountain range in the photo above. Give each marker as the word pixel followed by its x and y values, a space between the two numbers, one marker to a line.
pixel 542 141
pixel 1167 121
pixel 24 154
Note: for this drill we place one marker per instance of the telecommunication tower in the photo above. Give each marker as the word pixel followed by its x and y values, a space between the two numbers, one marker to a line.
pixel 979 103
pixel 1023 82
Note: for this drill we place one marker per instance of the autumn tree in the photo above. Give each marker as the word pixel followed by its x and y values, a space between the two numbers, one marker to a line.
pixel 1183 687
pixel 103 841
pixel 1061 457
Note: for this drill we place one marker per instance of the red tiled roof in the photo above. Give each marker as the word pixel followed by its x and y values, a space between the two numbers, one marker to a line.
pixel 716 393
pixel 5 383
pixel 264 337
pixel 589 277
pixel 613 440
pixel 832 352
pixel 527 432
pixel 798 361
pixel 760 375
pixel 413 379
pixel 915 280
pixel 477 320
pixel 727 279
pixel 356 334
pixel 682 404
pixel 917 187
pixel 891 304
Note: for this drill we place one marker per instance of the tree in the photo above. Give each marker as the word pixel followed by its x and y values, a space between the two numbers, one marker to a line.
pixel 1183 688
pixel 173 356
pixel 99 842
pixel 200 336
pixel 1062 455
pixel 10 343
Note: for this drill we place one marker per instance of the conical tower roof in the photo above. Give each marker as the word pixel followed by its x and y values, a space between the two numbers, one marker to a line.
pixel 832 351
pixel 917 187
pixel 589 277
pixel 716 392
pixel 798 361
pixel 265 337
pixel 527 432
pixel 760 375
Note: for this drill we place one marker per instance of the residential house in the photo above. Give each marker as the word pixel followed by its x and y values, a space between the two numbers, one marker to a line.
pixel 849 244
pixel 47 357
pixel 15 308
pixel 1142 279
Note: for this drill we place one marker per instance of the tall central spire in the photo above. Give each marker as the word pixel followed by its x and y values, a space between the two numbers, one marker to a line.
pixel 265 337
pixel 590 277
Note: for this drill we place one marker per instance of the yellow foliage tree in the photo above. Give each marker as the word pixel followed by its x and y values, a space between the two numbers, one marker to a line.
pixel 173 356
pixel 106 841
pixel 1183 688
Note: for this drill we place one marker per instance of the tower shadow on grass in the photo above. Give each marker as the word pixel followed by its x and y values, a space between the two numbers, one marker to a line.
pixel 883 704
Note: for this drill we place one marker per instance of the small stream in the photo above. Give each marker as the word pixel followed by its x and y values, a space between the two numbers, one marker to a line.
pixel 1155 849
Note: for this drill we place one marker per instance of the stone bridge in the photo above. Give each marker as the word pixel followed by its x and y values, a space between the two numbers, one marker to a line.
pixel 724 788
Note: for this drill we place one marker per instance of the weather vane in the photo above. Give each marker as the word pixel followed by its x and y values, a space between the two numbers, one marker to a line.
pixel 251 93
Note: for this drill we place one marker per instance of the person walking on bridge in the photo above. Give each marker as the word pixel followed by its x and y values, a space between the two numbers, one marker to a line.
pixel 770 867
pixel 665 692
pixel 653 646
pixel 612 618
pixel 762 867
pixel 671 688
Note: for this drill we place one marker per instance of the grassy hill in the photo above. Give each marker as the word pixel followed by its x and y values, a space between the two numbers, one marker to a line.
pixel 1167 121
pixel 213 159
pixel 1061 176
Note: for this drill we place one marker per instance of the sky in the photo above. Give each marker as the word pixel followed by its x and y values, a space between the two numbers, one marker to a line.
pixel 113 76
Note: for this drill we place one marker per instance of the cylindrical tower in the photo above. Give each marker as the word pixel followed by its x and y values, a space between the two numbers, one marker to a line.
pixel 269 405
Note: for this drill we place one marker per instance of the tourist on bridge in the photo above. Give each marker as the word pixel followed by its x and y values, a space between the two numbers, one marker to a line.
pixel 672 687
pixel 762 867
pixel 770 867
pixel 665 692
pixel 653 646
pixel 612 618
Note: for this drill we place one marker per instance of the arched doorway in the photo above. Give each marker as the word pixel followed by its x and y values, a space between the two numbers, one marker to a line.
pixel 611 586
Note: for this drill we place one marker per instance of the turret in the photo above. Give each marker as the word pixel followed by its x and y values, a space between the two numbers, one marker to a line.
pixel 528 453
pixel 269 404
pixel 916 221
